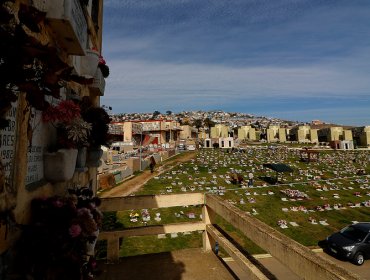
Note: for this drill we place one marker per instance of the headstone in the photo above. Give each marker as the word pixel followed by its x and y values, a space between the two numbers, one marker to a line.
pixel 35 160
pixel 7 142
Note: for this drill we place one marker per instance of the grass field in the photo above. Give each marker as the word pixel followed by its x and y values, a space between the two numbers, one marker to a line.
pixel 333 180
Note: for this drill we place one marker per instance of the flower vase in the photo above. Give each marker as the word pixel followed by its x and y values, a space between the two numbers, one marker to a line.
pixel 81 159
pixel 93 157
pixel 89 64
pixel 90 246
pixel 60 166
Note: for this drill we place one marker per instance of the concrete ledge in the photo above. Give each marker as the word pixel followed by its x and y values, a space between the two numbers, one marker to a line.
pixel 263 256
pixel 150 201
pixel 295 256
pixel 249 268
pixel 152 230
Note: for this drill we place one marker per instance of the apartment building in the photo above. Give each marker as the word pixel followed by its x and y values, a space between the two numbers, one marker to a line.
pixel 150 131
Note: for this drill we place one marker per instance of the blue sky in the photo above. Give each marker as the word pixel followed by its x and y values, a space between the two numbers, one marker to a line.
pixel 293 59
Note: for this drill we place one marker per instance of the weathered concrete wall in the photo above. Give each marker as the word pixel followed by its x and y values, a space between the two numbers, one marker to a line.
pixel 126 172
pixel 111 179
pixel 144 202
pixel 150 201
pixel 133 163
pixel 314 136
pixel 153 230
pixel 24 196
pixel 113 237
pixel 282 135
pixel 106 181
pixel 39 188
pixel 297 257
pixel 144 163
pixel 157 158
pixel 246 265
pixel 171 153
pixel 164 155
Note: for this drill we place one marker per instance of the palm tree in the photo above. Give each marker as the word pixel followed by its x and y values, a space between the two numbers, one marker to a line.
pixel 155 114
pixel 197 123
pixel 208 123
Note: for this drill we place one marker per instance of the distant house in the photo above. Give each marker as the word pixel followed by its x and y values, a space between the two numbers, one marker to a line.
pixel 150 131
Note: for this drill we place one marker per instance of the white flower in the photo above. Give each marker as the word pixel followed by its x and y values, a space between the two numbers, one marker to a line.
pixel 78 131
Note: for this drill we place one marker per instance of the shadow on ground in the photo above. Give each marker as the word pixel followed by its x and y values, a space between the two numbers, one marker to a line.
pixel 263 269
pixel 187 264
pixel 269 180
pixel 160 266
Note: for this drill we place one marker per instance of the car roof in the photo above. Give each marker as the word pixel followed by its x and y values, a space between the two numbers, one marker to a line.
pixel 362 226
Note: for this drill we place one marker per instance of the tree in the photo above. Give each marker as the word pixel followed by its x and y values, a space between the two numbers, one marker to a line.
pixel 185 122
pixel 197 123
pixel 169 112
pixel 155 114
pixel 208 123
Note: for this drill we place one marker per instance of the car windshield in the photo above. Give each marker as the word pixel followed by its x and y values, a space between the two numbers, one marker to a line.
pixel 353 233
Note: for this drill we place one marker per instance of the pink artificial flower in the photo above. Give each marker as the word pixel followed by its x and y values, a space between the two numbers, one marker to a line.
pixel 74 230
pixel 101 60
pixel 84 212
pixel 93 264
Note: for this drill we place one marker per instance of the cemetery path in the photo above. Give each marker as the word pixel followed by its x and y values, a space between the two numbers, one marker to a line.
pixel 135 183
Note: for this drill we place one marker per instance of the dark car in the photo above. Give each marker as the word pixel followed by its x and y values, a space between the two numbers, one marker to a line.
pixel 351 243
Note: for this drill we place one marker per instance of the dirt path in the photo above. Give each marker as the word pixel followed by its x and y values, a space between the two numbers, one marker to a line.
pixel 135 183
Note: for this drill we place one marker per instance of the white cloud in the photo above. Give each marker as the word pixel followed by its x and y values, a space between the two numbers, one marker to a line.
pixel 191 54
pixel 214 81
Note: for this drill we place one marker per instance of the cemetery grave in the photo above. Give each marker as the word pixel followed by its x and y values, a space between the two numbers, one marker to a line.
pixel 308 204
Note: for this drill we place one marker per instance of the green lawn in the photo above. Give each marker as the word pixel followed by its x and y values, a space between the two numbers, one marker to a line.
pixel 142 245
pixel 335 173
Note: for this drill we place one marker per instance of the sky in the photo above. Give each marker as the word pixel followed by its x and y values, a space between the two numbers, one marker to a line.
pixel 293 59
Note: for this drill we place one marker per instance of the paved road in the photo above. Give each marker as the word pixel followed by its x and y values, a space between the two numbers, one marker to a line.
pixel 282 272
pixel 363 271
